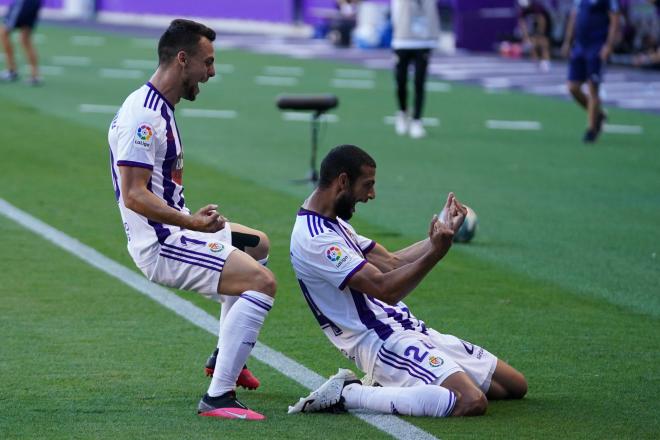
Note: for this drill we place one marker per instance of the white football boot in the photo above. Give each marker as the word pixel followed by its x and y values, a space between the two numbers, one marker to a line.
pixel 327 398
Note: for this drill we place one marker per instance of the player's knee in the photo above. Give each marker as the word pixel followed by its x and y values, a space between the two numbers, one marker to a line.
pixel 518 387
pixel 471 404
pixel 263 248
pixel 574 88
pixel 265 282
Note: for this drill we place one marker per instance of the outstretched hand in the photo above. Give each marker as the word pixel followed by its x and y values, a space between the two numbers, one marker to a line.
pixel 453 214
pixel 208 219
pixel 440 234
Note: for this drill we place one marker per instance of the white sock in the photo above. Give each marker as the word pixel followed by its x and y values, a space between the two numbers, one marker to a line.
pixel 239 333
pixel 228 301
pixel 421 400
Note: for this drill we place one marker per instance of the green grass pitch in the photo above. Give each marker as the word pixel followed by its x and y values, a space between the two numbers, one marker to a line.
pixel 562 280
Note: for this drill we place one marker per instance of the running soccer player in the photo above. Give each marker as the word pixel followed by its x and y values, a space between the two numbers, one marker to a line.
pixel 201 251
pixel 354 287
pixel 591 30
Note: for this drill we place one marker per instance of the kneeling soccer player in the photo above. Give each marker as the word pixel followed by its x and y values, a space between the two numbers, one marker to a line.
pixel 354 288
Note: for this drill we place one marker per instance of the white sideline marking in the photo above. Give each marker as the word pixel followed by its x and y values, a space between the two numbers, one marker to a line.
pixel 306 117
pixel 87 40
pixel 391 425
pixel 354 73
pixel 513 125
pixel 97 108
pixel 428 122
pixel 623 129
pixel 207 113
pixel 284 70
pixel 276 81
pixel 341 83
pixel 46 70
pixel 139 64
pixel 121 73
pixel 70 60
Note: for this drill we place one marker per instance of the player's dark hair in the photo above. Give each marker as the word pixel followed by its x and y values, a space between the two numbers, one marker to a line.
pixel 182 35
pixel 347 159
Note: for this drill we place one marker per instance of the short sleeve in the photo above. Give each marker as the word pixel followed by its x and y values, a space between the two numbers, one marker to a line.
pixel 333 259
pixel 137 141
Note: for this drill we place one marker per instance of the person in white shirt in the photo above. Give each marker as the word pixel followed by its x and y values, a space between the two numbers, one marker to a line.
pixel 416 30
pixel 355 287
pixel 200 251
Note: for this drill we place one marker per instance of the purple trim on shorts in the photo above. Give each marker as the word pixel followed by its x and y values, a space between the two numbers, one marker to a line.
pixel 193 258
pixel 405 361
pixel 369 248
pixel 190 262
pixel 450 405
pixel 403 368
pixel 255 301
pixel 368 318
pixel 393 313
pixel 194 252
pixel 130 163
pixel 348 277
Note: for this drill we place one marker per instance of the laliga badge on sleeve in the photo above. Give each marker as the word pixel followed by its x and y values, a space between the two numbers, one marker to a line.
pixel 144 135
pixel 337 255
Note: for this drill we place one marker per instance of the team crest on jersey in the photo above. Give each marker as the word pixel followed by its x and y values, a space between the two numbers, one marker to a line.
pixel 435 361
pixel 214 246
pixel 144 135
pixel 336 255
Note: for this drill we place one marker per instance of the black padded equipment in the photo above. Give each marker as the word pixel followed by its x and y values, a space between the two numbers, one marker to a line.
pixel 240 240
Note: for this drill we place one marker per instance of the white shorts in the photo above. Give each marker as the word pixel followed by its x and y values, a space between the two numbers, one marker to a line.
pixel 408 359
pixel 190 260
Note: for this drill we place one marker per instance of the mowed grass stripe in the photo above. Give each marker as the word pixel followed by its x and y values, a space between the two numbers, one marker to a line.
pixel 388 424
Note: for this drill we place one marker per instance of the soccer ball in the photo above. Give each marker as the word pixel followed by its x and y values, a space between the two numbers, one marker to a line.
pixel 468 228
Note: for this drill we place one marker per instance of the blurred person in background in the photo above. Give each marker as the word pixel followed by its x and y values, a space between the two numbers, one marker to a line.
pixel 22 15
pixel 416 29
pixel 535 25
pixel 590 34
pixel 650 56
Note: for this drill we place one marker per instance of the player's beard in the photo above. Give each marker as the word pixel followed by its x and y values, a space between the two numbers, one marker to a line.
pixel 189 90
pixel 344 206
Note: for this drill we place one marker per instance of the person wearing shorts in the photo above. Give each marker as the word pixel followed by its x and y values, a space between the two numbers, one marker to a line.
pixel 355 287
pixel 200 251
pixel 22 14
pixel 590 34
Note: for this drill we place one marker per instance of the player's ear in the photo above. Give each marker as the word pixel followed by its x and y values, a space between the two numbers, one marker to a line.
pixel 182 58
pixel 343 181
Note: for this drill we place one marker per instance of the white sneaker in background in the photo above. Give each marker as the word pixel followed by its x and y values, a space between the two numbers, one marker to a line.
pixel 417 129
pixel 401 123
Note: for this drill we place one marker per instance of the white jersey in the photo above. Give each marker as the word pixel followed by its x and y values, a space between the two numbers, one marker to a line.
pixel 144 134
pixel 325 254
